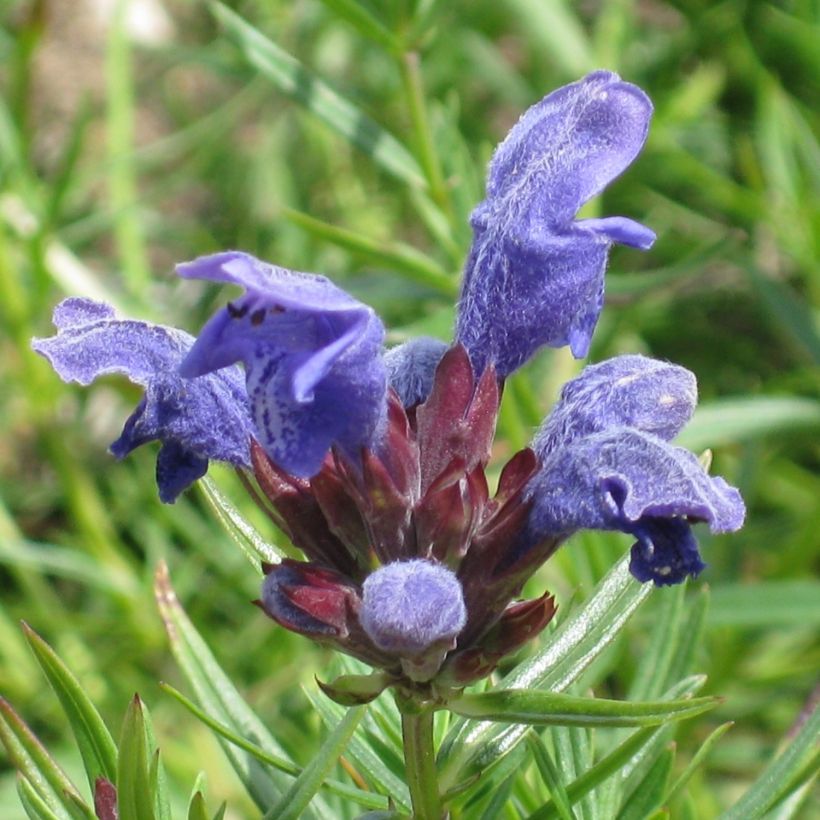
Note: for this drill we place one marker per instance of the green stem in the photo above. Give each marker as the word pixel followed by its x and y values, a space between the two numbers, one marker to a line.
pixel 414 89
pixel 420 763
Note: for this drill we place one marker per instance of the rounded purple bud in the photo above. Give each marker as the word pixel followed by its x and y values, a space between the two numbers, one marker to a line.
pixel 410 605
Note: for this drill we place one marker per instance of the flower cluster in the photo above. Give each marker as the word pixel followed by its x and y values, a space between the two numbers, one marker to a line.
pixel 373 462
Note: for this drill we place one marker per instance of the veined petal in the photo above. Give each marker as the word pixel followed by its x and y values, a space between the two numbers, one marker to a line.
pixel 195 420
pixel 625 391
pixel 312 356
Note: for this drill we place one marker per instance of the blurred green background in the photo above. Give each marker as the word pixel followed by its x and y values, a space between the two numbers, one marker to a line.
pixel 351 139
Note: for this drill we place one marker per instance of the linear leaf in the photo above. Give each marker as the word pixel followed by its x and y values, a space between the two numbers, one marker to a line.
pixel 254 547
pixel 648 797
pixel 569 651
pixel 97 747
pixel 363 798
pixel 302 86
pixel 550 775
pixel 309 781
pixel 538 708
pixel 135 800
pixel 600 772
pixel 218 697
pixel 37 767
pixel 767 789
pixel 371 766
pixel 34 806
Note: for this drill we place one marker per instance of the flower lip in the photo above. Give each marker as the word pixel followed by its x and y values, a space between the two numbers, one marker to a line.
pixel 304 343
pixel 206 419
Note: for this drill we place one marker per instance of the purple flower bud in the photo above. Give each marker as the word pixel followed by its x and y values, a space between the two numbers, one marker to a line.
pixel 411 368
pixel 623 479
pixel 312 356
pixel 626 391
pixel 534 276
pixel 409 606
pixel 195 420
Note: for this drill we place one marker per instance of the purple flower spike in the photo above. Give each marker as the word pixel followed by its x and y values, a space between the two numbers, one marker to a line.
pixel 534 276
pixel 409 606
pixel 312 356
pixel 411 368
pixel 626 391
pixel 196 420
pixel 623 479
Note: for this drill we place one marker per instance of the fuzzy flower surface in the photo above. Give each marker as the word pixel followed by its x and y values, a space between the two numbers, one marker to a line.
pixel 373 462
pixel 312 356
pixel 535 275
pixel 606 464
pixel 194 420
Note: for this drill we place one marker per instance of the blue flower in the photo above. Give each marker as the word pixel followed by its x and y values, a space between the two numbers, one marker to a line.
pixel 606 464
pixel 195 420
pixel 312 355
pixel 534 276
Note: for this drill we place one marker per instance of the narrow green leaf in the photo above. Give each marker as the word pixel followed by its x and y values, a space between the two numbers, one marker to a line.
pixel 361 752
pixel 97 748
pixel 728 421
pixel 218 697
pixel 34 806
pixel 648 797
pixel 307 784
pixel 700 755
pixel 651 676
pixel 550 775
pixel 157 777
pixel 538 708
pixel 296 82
pixel 135 800
pixel 571 648
pixel 253 546
pixel 767 789
pixel 197 810
pixel 412 264
pixel 363 798
pixel 364 22
pixel 37 767
pixel 601 771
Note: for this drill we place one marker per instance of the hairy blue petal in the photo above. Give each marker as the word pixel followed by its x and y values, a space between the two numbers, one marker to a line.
pixel 411 368
pixel 572 144
pixel 312 356
pixel 409 606
pixel 624 479
pixel 195 420
pixel 625 391
pixel 534 277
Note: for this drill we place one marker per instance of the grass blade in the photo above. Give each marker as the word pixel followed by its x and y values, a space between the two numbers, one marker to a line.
pixel 296 82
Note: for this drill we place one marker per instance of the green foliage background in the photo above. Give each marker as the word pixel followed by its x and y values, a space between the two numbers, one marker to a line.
pixel 120 156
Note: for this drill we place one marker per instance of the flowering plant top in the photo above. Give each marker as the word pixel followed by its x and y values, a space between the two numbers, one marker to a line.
pixel 372 461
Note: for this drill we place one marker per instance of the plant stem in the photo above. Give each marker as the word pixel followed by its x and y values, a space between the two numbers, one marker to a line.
pixel 425 145
pixel 420 763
